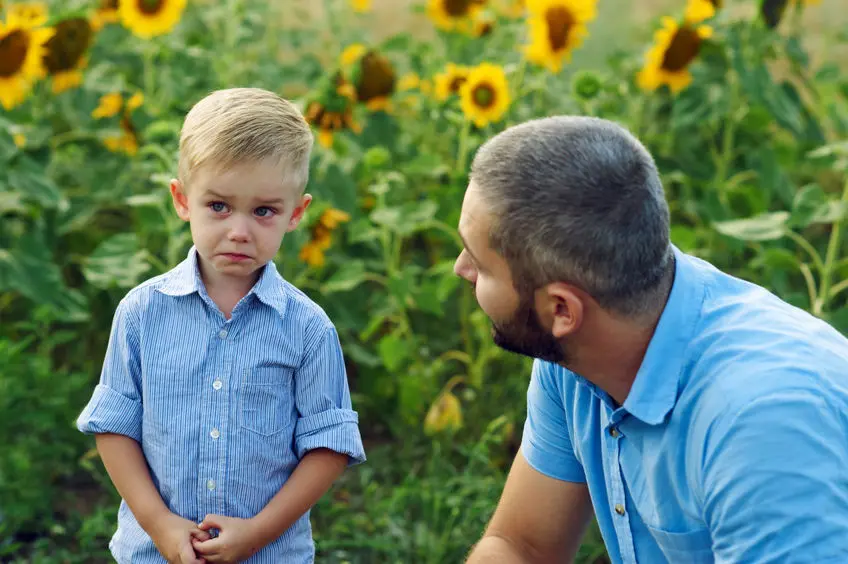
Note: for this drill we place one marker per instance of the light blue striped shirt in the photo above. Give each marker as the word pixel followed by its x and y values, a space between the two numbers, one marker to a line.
pixel 223 409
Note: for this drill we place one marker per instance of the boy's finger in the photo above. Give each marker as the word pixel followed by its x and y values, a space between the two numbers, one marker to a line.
pixel 200 535
pixel 207 548
pixel 187 555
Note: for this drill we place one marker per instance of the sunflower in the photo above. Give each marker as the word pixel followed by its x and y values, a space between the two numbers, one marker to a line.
pixel 484 97
pixel 329 121
pixel 110 104
pixel 321 237
pixel 361 6
pixel 127 141
pixel 668 61
pixel 22 53
pixel 107 13
pixel 449 81
pixel 148 18
pixel 65 57
pixel 29 15
pixel 483 26
pixel 450 15
pixel 556 28
pixel 374 79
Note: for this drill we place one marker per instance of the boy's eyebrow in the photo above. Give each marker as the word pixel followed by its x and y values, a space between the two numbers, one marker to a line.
pixel 214 194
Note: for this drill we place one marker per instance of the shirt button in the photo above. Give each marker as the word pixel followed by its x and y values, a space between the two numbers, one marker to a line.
pixel 619 509
pixel 222 333
pixel 210 484
pixel 217 384
pixel 613 432
pixel 215 433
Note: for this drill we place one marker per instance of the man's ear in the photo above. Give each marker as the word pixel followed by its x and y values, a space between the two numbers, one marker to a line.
pixel 560 306
pixel 298 212
pixel 179 198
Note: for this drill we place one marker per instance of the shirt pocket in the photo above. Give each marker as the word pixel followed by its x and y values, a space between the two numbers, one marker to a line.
pixel 692 547
pixel 267 400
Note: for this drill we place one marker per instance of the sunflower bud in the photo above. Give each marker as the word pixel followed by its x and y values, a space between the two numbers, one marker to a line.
pixel 586 85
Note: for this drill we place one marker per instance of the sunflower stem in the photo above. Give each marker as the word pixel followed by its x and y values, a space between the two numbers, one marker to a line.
pixel 830 258
pixel 462 153
pixel 727 140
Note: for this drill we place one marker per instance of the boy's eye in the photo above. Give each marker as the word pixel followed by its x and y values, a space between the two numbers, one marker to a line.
pixel 265 211
pixel 217 207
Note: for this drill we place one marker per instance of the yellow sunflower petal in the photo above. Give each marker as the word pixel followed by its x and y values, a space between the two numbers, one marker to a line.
pixel 361 6
pixel 705 31
pixel 698 11
pixel 135 101
pixel 325 138
pixel 352 53
pixel 29 15
pixel 109 105
pixel 149 18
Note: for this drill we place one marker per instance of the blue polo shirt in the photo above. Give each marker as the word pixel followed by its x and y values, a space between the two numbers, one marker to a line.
pixel 732 445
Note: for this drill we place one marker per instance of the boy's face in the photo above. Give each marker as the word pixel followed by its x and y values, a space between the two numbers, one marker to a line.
pixel 238 217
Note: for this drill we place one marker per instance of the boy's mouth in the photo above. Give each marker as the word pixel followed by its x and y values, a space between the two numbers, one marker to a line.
pixel 235 257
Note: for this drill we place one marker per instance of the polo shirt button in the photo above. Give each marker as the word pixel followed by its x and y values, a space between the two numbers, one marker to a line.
pixel 613 432
pixel 619 509
pixel 222 333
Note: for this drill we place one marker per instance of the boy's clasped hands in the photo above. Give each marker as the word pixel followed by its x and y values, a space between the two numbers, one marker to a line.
pixel 181 541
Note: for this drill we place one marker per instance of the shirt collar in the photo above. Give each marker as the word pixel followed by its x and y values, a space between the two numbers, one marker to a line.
pixel 655 389
pixel 185 279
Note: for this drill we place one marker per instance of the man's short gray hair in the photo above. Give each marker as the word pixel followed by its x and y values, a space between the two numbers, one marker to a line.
pixel 578 200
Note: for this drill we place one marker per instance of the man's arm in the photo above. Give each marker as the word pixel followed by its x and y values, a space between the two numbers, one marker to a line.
pixel 538 519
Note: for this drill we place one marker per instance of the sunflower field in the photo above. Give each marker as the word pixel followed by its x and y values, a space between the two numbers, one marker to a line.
pixel 743 103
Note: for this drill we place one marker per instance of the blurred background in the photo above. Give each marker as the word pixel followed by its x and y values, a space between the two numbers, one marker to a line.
pixel 743 103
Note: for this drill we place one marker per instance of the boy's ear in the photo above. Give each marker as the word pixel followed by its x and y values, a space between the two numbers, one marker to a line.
pixel 180 199
pixel 298 212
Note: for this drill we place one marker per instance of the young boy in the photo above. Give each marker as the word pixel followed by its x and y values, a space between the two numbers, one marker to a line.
pixel 223 411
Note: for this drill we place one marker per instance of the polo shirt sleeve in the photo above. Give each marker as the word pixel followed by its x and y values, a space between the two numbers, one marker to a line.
pixel 775 480
pixel 322 398
pixel 546 441
pixel 115 405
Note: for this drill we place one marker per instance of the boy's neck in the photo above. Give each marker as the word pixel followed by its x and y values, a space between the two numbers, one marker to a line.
pixel 226 291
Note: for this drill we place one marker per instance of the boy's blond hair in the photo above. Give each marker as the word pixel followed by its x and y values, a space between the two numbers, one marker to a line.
pixel 245 124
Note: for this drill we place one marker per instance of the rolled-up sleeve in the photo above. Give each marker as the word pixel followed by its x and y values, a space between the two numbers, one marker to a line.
pixel 325 415
pixel 546 442
pixel 115 405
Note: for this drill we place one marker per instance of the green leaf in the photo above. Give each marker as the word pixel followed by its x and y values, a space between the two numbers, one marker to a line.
pixel 807 204
pixel 117 261
pixel 392 350
pixel 28 178
pixel 348 277
pixel 763 227
pixel 405 219
pixel 777 260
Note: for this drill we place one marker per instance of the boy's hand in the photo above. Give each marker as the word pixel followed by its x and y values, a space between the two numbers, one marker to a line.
pixel 236 541
pixel 173 536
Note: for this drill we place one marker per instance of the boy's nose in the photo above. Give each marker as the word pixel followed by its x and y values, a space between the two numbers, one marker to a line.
pixel 238 232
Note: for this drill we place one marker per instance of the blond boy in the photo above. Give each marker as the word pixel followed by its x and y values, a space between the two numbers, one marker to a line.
pixel 223 411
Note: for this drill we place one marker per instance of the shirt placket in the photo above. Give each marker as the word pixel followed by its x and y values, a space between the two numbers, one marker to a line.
pixel 617 495
pixel 218 389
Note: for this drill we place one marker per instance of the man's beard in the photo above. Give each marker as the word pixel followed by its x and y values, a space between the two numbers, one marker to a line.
pixel 524 334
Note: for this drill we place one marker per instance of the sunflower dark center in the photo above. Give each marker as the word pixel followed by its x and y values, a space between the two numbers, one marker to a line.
pixel 109 4
pixel 377 77
pixel 68 45
pixel 484 95
pixel 455 83
pixel 716 3
pixel 560 21
pixel 150 7
pixel 13 52
pixel 684 47
pixel 457 8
